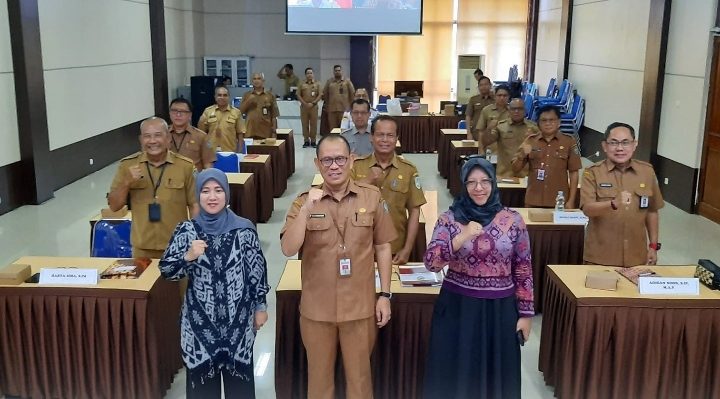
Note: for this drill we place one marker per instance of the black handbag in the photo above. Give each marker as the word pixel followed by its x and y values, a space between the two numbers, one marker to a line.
pixel 708 273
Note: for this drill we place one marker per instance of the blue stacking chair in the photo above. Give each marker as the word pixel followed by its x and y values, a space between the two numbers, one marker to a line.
pixel 462 124
pixel 382 103
pixel 551 88
pixel 228 162
pixel 562 100
pixel 111 239
pixel 528 99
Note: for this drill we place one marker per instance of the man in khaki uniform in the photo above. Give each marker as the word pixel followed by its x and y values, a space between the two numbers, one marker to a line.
pixel 509 135
pixel 553 158
pixel 186 140
pixel 491 115
pixel 475 106
pixel 160 187
pixel 621 197
pixel 261 109
pixel 309 97
pixel 399 185
pixel 342 228
pixel 223 123
pixel 287 74
pixel 338 93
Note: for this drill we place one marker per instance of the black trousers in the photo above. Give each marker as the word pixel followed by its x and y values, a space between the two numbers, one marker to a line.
pixel 211 388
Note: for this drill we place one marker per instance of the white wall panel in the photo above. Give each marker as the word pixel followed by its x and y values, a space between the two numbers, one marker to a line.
pixel 681 122
pixel 544 71
pixel 80 33
pixel 10 145
pixel 611 95
pixel 79 107
pixel 610 34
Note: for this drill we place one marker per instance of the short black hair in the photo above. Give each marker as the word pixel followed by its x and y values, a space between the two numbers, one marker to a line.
pixel 619 124
pixel 479 71
pixel 504 87
pixel 331 137
pixel 181 100
pixel 549 108
pixel 361 101
pixel 337 66
pixel 289 66
pixel 308 69
pixel 383 118
pixel 484 78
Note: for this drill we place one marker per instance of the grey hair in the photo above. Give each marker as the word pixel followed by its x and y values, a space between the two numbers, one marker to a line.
pixel 153 119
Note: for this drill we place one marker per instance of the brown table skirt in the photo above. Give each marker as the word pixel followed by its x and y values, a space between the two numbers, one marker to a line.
pixel 290 151
pixel 263 173
pixel 443 151
pixel 419 133
pixel 89 343
pixel 243 199
pixel 398 359
pixel 453 179
pixel 627 348
pixel 278 159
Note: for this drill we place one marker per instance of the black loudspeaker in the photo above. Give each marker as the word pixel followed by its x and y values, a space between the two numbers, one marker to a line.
pixel 202 94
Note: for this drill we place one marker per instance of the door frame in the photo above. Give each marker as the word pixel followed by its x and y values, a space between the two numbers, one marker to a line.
pixel 708 211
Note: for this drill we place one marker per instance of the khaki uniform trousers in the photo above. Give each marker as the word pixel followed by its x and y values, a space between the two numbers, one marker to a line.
pixel 357 339
pixel 335 118
pixel 309 120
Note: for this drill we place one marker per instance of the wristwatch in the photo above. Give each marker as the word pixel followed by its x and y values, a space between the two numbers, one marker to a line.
pixel 387 295
pixel 655 245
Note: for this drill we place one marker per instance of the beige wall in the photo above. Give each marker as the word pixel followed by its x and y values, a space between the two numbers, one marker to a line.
pixel 548 43
pixel 607 59
pixel 10 147
pixel 97 66
pixel 257 29
pixel 184 38
pixel 689 54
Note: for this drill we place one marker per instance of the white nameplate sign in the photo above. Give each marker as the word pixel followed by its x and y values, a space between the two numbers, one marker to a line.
pixel 569 217
pixel 669 286
pixel 68 276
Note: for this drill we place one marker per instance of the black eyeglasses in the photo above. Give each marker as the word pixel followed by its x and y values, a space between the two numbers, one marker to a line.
pixel 328 161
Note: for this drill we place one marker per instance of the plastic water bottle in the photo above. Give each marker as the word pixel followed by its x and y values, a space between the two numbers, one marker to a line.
pixel 560 201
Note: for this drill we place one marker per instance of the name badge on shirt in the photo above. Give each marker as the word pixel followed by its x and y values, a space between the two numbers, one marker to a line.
pixel 312 94
pixel 345 268
pixel 606 185
pixel 265 111
pixel 541 174
pixel 644 202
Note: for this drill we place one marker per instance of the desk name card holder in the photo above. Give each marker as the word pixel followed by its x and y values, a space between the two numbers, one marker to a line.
pixel 669 286
pixel 569 217
pixel 68 276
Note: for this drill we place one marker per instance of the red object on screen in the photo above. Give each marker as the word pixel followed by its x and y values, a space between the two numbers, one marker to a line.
pixel 344 3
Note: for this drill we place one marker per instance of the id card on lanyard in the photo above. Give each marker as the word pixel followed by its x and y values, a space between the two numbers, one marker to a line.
pixel 154 210
pixel 541 172
pixel 344 263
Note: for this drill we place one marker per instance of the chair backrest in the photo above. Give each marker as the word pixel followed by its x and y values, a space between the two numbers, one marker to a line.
pixel 383 99
pixel 111 239
pixel 551 88
pixel 228 162
pixel 528 99
pixel 462 125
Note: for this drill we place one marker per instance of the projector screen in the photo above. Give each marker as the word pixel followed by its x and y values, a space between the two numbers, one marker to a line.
pixel 354 17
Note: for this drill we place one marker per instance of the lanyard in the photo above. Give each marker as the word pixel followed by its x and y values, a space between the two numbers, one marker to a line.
pixel 341 232
pixel 178 147
pixel 152 181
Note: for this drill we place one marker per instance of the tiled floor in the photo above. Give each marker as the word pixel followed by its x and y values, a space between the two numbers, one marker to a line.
pixel 60 228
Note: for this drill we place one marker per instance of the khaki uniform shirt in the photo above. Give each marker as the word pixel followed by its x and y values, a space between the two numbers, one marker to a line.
pixel 175 194
pixel 490 113
pixel 310 91
pixel 362 217
pixel 474 108
pixel 556 158
pixel 224 128
pixel 291 81
pixel 400 188
pixel 509 136
pixel 192 143
pixel 338 94
pixel 619 237
pixel 261 110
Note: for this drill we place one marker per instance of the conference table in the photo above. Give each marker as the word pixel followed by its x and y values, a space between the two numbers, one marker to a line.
pixel 287 135
pixel 420 133
pixel 400 350
pixel 260 166
pixel 458 148
pixel 420 245
pixel 278 158
pixel 443 148
pixel 118 339
pixel 597 344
